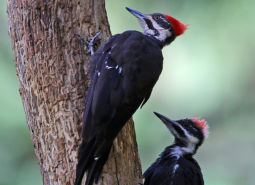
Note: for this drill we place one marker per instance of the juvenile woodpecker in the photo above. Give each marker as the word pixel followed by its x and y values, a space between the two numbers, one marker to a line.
pixel 123 72
pixel 176 166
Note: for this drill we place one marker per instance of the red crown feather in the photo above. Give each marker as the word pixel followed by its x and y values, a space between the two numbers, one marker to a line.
pixel 202 125
pixel 178 27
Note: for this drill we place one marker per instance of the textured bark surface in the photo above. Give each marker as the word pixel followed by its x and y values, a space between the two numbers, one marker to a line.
pixel 53 79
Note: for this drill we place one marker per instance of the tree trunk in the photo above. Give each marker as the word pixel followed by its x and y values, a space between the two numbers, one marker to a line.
pixel 53 80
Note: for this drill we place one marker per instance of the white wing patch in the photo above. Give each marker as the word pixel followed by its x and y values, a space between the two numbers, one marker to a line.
pixel 175 168
pixel 117 67
pixel 120 70
pixel 108 67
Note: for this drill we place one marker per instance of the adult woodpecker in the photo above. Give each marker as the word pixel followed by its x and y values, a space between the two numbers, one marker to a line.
pixel 176 166
pixel 123 72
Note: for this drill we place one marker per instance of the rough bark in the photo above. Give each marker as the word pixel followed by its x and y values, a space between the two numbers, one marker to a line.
pixel 53 80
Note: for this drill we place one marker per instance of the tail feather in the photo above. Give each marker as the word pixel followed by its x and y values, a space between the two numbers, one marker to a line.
pixel 100 164
pixel 90 176
pixel 88 162
pixel 85 158
pixel 96 168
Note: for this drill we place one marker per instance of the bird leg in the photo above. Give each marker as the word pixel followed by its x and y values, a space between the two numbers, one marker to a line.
pixel 91 43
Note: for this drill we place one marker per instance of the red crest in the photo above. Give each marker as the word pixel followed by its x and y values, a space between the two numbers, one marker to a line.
pixel 202 125
pixel 179 28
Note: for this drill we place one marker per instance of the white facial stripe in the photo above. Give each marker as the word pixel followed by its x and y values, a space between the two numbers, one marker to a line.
pixel 147 31
pixel 191 138
pixel 172 130
pixel 177 152
pixel 191 143
pixel 190 149
pixel 143 24
pixel 180 151
pixel 163 33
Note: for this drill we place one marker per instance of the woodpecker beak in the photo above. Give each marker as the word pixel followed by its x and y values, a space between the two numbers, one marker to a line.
pixel 166 120
pixel 138 14
pixel 142 18
pixel 174 127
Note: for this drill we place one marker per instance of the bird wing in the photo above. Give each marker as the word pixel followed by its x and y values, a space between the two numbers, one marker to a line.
pixel 91 140
pixel 95 66
pixel 119 83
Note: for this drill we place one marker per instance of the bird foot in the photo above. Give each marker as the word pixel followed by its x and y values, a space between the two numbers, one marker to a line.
pixel 91 43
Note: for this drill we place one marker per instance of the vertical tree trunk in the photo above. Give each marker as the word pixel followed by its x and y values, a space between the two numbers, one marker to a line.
pixel 53 79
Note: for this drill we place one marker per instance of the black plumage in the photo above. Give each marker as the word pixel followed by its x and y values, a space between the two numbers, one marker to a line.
pixel 171 169
pixel 121 82
pixel 176 165
pixel 124 71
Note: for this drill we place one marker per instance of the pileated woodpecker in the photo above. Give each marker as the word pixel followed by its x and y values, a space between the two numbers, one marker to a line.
pixel 176 166
pixel 123 72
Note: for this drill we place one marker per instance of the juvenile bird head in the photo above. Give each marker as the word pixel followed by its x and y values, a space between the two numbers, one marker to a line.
pixel 189 133
pixel 163 27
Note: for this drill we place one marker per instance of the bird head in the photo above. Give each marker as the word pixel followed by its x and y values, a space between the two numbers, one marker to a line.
pixel 189 133
pixel 163 27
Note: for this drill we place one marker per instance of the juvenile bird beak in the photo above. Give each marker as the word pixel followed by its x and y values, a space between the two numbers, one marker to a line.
pixel 166 120
pixel 174 127
pixel 136 13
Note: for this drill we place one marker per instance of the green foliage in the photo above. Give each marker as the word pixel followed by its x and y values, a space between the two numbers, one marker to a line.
pixel 208 72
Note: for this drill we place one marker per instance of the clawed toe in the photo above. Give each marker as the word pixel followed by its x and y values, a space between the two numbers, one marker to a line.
pixel 91 43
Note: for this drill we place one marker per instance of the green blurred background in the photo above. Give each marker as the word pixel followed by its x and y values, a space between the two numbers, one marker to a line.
pixel 208 73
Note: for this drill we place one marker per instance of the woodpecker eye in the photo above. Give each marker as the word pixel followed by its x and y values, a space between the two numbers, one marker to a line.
pixel 156 17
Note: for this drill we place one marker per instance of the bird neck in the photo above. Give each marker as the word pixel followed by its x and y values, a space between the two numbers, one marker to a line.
pixel 180 150
pixel 167 40
pixel 162 43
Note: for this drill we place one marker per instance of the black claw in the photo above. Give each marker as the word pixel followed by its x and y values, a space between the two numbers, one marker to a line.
pixel 91 43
